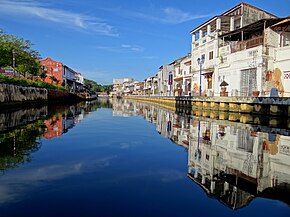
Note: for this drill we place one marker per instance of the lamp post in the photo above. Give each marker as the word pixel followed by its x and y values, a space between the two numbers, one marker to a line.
pixel 13 61
pixel 200 61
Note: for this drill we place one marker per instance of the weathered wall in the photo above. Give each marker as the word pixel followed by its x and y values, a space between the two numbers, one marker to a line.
pixel 11 93
pixel 58 95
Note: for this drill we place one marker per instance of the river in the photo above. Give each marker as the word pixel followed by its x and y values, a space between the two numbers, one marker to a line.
pixel 126 158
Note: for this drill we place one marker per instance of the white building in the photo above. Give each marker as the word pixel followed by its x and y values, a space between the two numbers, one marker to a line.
pixel 80 81
pixel 205 45
pixel 165 80
pixel 280 73
pixel 185 68
pixel 69 78
pixel 246 55
pixel 122 86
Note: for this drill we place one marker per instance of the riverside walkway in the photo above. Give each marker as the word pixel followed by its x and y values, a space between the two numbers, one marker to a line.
pixel 272 106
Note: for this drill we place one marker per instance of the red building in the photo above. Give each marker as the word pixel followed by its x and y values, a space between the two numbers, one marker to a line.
pixel 60 74
pixel 54 71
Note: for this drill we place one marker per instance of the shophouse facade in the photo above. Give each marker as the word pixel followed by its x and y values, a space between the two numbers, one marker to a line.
pixel 242 52
pixel 165 80
pixel 206 43
pixel 62 75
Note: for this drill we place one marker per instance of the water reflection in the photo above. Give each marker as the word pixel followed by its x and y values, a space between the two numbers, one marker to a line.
pixel 232 162
pixel 21 130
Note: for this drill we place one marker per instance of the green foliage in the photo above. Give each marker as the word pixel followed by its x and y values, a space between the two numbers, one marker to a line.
pixel 94 87
pixel 27 83
pixel 17 51
pixel 14 50
pixel 17 145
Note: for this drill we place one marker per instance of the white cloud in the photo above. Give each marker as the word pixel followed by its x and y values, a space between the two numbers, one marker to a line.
pixel 123 48
pixel 176 16
pixel 168 15
pixel 64 18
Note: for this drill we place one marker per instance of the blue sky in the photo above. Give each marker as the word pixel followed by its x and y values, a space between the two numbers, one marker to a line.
pixel 115 38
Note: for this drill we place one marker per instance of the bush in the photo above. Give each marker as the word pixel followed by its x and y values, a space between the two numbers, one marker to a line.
pixel 27 83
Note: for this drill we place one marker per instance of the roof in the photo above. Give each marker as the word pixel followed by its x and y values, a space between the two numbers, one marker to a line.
pixel 251 6
pixel 229 11
pixel 208 21
pixel 285 21
pixel 256 26
pixel 224 84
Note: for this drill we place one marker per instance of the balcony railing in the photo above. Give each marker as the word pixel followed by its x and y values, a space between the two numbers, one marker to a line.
pixel 243 45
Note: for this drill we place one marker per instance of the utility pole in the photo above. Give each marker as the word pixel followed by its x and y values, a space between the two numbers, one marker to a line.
pixel 13 61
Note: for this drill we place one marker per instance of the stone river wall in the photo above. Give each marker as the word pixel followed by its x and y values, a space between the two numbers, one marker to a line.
pixel 14 94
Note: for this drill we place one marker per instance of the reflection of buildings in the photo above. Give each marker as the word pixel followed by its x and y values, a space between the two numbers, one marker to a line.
pixel 21 130
pixel 62 122
pixel 232 162
pixel 124 108
pixel 237 163
pixel 53 127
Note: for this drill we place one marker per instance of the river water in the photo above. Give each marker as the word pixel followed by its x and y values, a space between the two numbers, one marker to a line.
pixel 124 158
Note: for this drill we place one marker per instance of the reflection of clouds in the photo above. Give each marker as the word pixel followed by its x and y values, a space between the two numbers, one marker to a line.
pixel 164 176
pixel 103 162
pixel 126 145
pixel 14 185
pixel 171 176
pixel 7 194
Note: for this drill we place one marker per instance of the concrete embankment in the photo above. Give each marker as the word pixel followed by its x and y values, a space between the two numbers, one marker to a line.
pixel 165 102
pixel 14 95
pixel 273 106
pixel 62 96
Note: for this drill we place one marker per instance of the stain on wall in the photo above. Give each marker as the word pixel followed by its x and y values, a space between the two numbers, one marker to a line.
pixel 276 77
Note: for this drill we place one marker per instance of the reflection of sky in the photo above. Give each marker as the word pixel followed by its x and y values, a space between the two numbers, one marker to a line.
pixel 110 166
pixel 27 178
pixel 91 160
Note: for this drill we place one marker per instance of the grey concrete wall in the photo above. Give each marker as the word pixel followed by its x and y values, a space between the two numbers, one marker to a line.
pixel 12 93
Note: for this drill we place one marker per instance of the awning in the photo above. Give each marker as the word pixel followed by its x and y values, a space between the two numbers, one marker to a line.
pixel 207 73
pixel 178 79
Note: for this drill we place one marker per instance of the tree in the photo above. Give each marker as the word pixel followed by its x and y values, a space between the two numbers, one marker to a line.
pixel 17 51
pixel 94 87
pixel 54 79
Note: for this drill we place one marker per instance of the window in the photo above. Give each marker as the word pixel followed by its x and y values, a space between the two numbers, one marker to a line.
pixel 207 157
pixel 210 55
pixel 248 81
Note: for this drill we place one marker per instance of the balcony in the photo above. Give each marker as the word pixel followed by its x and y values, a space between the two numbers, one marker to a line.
pixel 243 45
